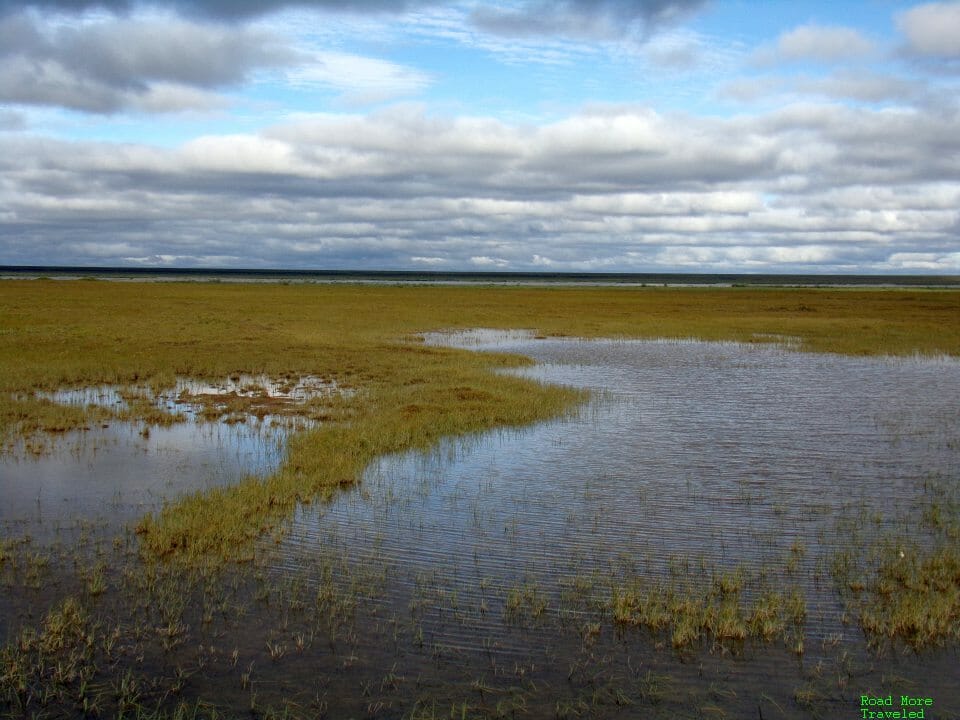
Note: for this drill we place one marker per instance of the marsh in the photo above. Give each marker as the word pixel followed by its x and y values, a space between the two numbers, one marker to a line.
pixel 524 523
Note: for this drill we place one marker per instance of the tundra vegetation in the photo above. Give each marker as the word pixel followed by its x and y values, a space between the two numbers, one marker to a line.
pixel 185 609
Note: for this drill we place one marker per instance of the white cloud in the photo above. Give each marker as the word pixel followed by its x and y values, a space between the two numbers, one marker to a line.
pixel 926 261
pixel 359 80
pixel 675 50
pixel 933 29
pixel 12 121
pixel 752 89
pixel 239 154
pixel 637 131
pixel 863 86
pixel 485 261
pixel 587 19
pixel 672 204
pixel 817 43
pixel 171 98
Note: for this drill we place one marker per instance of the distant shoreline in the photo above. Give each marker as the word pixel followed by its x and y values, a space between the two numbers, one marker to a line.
pixel 9 272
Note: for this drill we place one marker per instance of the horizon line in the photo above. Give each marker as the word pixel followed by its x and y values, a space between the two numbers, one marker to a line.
pixel 195 270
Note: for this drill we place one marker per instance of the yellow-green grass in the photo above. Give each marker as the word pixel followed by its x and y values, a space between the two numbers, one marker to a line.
pixel 915 597
pixel 906 586
pixel 72 334
pixel 688 614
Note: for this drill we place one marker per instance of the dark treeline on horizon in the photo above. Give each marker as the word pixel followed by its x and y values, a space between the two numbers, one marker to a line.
pixel 637 278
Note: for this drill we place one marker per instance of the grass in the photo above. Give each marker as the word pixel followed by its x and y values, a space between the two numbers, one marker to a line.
pixel 916 597
pixel 53 663
pixel 76 334
pixel 117 654
pixel 905 585
pixel 525 600
pixel 912 591
pixel 689 616
pixel 167 640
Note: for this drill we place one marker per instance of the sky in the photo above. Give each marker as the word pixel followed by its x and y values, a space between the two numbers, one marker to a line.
pixel 520 135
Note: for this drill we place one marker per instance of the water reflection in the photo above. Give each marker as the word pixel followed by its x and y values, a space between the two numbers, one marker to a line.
pixel 693 457
pixel 183 398
pixel 116 472
pixel 114 475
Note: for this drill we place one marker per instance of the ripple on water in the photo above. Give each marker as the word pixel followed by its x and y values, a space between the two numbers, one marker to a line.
pixel 693 456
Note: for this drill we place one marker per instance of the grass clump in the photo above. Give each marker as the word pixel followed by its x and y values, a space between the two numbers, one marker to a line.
pixel 689 615
pixel 915 597
pixel 54 664
pixel 32 420
pixel 906 588
pixel 224 521
pixel 524 600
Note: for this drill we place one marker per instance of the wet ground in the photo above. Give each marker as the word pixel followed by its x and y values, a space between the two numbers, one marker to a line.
pixel 693 460
pixel 475 580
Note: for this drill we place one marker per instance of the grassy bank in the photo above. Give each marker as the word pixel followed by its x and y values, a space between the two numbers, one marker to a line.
pixel 72 334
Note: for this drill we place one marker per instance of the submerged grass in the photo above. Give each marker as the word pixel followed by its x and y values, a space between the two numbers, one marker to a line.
pixel 688 615
pixel 915 597
pixel 909 587
pixel 407 395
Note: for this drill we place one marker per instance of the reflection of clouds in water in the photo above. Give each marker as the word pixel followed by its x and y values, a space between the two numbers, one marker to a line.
pixel 118 473
pixel 478 338
pixel 303 387
pixel 115 474
pixel 181 397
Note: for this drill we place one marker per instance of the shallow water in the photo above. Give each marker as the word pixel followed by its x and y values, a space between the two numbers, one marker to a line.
pixel 178 399
pixel 692 458
pixel 106 477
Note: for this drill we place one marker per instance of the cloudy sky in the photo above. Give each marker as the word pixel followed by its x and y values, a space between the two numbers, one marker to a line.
pixel 609 136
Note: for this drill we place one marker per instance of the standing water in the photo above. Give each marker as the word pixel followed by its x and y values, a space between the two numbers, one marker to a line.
pixel 113 473
pixel 693 460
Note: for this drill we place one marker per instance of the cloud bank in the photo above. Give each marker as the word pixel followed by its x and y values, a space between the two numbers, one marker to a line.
pixel 615 188
pixel 842 153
